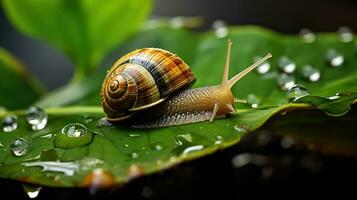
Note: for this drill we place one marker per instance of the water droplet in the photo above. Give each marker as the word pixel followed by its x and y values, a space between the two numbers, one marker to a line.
pixel 241 160
pixel 220 28
pixel 247 158
pixel 134 135
pixel 307 35
pixel 134 155
pixel 19 147
pixel 126 145
pixel 296 92
pixel 286 65
pixel 74 130
pixel 183 139
pixel 345 34
pixel 87 119
pixel 285 81
pixel 147 192
pixel 32 191
pixel 264 138
pixel 219 140
pixel 98 179
pixel 9 123
pixel 192 149
pixel 156 146
pixel 286 142
pixel 103 122
pixel 1 145
pixel 68 168
pixel 263 68
pixel 36 117
pixel 334 58
pixel 240 129
pixel 310 73
pixel 177 22
pixel 134 171
pixel 253 100
pixel 336 96
pixel 49 136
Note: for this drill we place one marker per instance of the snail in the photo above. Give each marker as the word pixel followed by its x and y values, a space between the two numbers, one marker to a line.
pixel 150 87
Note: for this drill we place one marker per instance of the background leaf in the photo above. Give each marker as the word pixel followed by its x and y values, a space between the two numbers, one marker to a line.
pixel 85 30
pixel 126 153
pixel 16 82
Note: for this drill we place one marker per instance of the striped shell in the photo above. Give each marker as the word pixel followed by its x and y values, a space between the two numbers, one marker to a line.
pixel 141 79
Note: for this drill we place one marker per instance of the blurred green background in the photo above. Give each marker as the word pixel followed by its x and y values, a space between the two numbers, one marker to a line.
pixel 283 16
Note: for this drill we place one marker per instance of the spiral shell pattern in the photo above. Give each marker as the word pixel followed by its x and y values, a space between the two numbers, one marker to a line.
pixel 142 79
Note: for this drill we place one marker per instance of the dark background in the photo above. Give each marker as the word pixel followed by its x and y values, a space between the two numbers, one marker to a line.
pixel 54 69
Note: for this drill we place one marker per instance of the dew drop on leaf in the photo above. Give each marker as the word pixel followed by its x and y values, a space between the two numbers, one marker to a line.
pixel 49 136
pixel 74 130
pixel 253 100
pixel 134 135
pixel 36 117
pixel 307 35
pixel 263 68
pixel 134 171
pixel 296 92
pixel 191 149
pixel 334 97
pixel 9 123
pixel 67 168
pixel 310 73
pixel 103 122
pixel 134 155
pixel 87 119
pixel 183 139
pixel 156 146
pixel 240 129
pixel 334 58
pixel 286 65
pixel 220 28
pixel 285 81
pixel 219 140
pixel 19 147
pixel 345 34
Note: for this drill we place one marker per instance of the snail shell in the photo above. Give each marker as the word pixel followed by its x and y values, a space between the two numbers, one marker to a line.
pixel 142 79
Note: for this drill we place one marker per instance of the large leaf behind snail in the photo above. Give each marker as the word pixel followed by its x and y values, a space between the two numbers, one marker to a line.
pixel 125 153
pixel 85 30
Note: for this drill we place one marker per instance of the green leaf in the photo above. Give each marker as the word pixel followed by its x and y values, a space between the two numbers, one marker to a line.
pixel 18 88
pixel 86 30
pixel 126 153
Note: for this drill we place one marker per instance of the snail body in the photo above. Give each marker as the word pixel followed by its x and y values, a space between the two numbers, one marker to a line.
pixel 172 104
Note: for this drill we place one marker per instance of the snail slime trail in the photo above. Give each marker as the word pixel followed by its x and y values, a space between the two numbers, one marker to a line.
pixel 149 88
